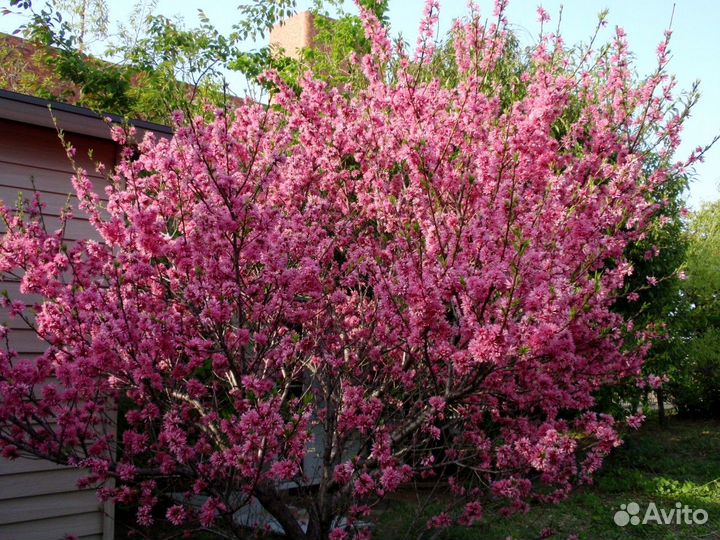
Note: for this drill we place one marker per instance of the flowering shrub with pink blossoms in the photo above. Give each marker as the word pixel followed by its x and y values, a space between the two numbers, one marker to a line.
pixel 344 293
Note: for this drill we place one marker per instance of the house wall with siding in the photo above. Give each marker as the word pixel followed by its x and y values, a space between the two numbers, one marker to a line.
pixel 38 499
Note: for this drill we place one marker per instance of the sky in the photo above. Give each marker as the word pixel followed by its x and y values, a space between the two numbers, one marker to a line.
pixel 695 47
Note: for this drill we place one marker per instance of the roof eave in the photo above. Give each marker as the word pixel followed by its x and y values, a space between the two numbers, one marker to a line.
pixel 70 118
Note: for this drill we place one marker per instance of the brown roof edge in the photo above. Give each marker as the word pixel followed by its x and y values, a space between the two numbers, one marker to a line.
pixel 71 118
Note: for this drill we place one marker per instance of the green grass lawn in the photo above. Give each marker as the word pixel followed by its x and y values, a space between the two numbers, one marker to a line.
pixel 678 464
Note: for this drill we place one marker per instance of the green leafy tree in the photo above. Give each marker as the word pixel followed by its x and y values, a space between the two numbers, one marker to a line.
pixel 337 37
pixel 694 386
pixel 653 295
pixel 89 19
pixel 158 64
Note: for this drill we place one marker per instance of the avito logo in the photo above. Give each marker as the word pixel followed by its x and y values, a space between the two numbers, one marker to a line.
pixel 680 515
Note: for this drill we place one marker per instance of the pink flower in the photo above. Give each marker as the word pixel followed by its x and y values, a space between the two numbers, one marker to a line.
pixel 654 381
pixel 543 15
pixel 343 473
pixel 283 470
pixel 176 514
pixel 16 308
pixel 441 521
pixel 144 515
pixel 338 534
pixel 437 403
pixel 472 513
pixel 10 451
pixel 126 471
pixel 364 485
pixel 209 511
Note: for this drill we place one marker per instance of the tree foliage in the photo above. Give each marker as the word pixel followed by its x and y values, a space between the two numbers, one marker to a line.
pixel 155 68
pixel 159 65
pixel 695 345
pixel 89 19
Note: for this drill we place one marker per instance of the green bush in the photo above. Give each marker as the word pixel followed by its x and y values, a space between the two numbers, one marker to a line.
pixel 695 388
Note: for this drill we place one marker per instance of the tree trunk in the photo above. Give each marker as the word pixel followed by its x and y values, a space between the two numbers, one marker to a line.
pixel 660 396
pixel 272 502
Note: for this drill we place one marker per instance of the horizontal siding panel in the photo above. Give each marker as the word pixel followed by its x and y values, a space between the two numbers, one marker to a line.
pixel 27 465
pixel 39 499
pixel 19 176
pixel 47 506
pixel 15 323
pixel 13 289
pixel 26 341
pixel 85 524
pixel 31 356
pixel 39 483
pixel 29 145
pixel 54 203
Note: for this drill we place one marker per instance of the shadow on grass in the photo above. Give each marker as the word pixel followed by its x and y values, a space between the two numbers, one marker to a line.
pixel 678 464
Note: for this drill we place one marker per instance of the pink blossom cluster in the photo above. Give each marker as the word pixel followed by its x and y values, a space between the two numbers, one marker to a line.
pixel 411 279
